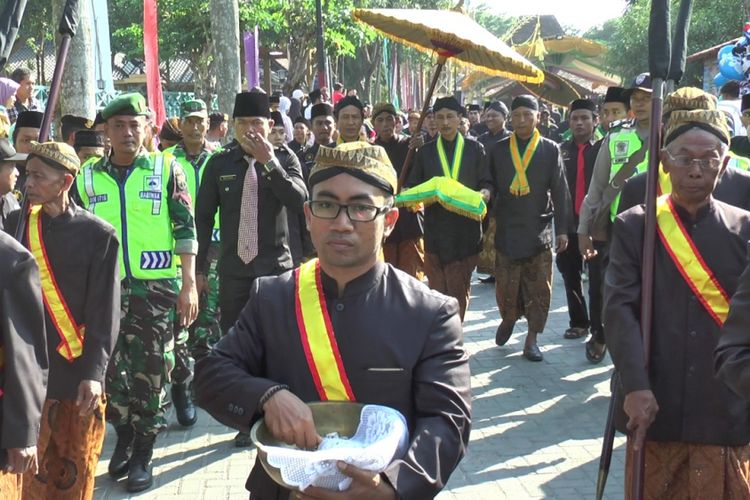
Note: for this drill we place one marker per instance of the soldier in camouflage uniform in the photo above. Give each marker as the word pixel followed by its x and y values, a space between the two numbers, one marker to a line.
pixel 192 153
pixel 145 197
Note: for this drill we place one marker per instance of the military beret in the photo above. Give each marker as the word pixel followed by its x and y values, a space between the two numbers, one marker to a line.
pixel 130 104
pixel 364 161
pixel 525 101
pixel 88 139
pixel 31 119
pixel 251 104
pixel 57 155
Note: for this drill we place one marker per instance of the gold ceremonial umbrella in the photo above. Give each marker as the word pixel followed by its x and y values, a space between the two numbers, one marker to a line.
pixel 449 33
pixel 555 89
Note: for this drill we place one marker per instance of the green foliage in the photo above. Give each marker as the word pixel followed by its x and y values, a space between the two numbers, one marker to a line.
pixel 713 22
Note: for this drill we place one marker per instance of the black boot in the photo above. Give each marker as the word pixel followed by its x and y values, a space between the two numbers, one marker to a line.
pixel 140 476
pixel 118 464
pixel 183 405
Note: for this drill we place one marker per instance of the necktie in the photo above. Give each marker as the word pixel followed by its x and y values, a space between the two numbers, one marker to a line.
pixel 247 233
pixel 580 179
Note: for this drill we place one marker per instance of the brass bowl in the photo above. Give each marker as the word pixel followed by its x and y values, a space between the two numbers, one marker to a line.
pixel 341 417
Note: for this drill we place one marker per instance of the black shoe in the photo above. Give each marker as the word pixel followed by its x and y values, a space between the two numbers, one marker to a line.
pixel 183 405
pixel 242 440
pixel 595 352
pixel 488 280
pixel 140 476
pixel 118 464
pixel 532 353
pixel 504 331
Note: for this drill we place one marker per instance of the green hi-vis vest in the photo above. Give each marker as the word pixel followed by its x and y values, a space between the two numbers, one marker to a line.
pixel 194 180
pixel 738 162
pixel 622 145
pixel 138 210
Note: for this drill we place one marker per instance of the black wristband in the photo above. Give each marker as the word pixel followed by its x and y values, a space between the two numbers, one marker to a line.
pixel 269 394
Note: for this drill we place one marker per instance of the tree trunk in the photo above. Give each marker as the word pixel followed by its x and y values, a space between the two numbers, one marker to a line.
pixel 225 26
pixel 78 87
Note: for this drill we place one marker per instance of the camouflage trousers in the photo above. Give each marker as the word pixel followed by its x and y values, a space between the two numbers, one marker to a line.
pixel 195 342
pixel 206 330
pixel 144 355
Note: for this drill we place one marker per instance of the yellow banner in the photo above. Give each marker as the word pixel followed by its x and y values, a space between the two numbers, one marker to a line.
pixel 71 335
pixel 316 334
pixel 689 261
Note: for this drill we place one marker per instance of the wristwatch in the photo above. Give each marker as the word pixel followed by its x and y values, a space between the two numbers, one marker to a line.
pixel 271 165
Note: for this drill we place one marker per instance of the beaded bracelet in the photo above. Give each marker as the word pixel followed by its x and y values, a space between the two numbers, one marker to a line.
pixel 269 394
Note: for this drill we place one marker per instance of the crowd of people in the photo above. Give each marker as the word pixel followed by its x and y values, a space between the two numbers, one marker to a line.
pixel 171 265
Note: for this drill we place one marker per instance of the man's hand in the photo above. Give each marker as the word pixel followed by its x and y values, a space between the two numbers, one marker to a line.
pixel 561 243
pixel 586 247
pixel 21 460
pixel 89 394
pixel 257 146
pixel 201 284
pixel 641 409
pixel 416 141
pixel 365 485
pixel 187 304
pixel 290 420
pixel 485 195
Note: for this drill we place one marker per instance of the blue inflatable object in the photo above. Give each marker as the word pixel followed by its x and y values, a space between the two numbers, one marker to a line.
pixel 730 65
pixel 720 80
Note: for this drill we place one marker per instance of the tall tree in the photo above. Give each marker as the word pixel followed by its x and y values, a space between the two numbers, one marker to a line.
pixel 225 26
pixel 78 92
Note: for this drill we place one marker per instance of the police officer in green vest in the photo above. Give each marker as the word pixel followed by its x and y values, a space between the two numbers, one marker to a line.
pixel 145 197
pixel 192 153
pixel 614 153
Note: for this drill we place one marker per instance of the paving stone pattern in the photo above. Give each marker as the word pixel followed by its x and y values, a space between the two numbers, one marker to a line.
pixel 536 429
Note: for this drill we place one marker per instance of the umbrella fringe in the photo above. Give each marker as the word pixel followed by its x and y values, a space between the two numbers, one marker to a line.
pixel 537 77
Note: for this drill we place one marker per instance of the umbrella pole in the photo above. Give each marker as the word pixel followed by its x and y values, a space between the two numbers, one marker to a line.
pixel 425 106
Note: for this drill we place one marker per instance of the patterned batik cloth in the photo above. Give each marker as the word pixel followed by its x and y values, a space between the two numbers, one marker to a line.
pixel 69 449
pixel 684 471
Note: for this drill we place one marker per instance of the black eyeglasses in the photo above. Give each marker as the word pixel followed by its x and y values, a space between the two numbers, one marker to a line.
pixel 357 212
pixel 705 164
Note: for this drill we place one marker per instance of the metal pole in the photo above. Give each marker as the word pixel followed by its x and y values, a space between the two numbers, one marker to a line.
pixel 319 46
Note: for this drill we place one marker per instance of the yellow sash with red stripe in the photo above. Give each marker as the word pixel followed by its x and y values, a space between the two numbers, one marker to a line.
pixel 316 334
pixel 71 335
pixel 689 262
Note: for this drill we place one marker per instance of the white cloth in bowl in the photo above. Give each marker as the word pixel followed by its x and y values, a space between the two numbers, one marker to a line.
pixel 382 436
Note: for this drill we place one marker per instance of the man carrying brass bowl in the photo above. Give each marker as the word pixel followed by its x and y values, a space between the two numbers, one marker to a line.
pixel 347 327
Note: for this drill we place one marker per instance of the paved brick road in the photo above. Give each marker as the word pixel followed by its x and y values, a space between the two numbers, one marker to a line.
pixel 536 426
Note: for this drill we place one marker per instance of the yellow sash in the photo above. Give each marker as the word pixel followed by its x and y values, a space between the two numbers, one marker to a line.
pixel 317 336
pixel 689 262
pixel 71 335
pixel 520 184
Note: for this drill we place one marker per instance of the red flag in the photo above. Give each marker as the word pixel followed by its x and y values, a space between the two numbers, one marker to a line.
pixel 151 54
